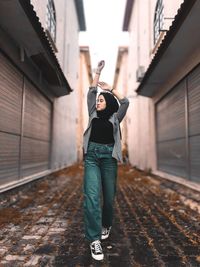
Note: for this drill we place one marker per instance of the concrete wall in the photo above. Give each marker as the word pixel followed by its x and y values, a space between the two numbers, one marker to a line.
pixel 121 84
pixel 84 83
pixel 138 113
pixel 140 116
pixel 65 109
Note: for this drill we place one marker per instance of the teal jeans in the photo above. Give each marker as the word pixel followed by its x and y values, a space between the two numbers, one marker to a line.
pixel 100 177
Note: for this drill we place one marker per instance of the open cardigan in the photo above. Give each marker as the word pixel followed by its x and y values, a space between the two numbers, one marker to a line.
pixel 115 119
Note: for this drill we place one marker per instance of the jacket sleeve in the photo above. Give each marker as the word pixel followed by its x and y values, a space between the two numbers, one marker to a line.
pixel 124 103
pixel 91 99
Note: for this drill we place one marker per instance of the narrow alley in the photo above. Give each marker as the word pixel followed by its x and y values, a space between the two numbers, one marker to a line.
pixel 156 223
pixel 100 82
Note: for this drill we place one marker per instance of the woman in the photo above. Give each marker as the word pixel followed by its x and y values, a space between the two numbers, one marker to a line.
pixel 102 150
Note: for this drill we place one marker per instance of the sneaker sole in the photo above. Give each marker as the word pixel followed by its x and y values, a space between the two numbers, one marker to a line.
pixel 97 257
pixel 104 237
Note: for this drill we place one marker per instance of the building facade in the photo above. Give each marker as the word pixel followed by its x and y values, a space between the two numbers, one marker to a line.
pixel 120 82
pixel 85 79
pixel 39 61
pixel 163 81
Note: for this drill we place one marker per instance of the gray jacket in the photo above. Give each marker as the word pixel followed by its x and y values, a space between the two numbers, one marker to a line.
pixel 115 119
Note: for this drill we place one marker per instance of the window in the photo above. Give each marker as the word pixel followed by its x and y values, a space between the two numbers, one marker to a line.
pixel 158 20
pixel 51 19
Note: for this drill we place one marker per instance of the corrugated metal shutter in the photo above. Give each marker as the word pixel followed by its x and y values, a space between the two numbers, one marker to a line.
pixel 171 135
pixel 11 83
pixel 194 123
pixel 25 126
pixel 36 132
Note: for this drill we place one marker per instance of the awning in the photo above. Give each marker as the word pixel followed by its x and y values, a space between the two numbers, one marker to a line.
pixel 80 14
pixel 182 39
pixel 19 20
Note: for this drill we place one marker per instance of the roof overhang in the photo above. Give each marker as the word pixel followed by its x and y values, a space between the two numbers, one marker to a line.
pixel 80 14
pixel 182 39
pixel 127 14
pixel 19 20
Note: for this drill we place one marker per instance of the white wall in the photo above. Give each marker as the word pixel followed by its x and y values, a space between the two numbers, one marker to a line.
pixel 138 113
pixel 140 117
pixel 65 115
pixel 84 83
pixel 66 109
pixel 122 88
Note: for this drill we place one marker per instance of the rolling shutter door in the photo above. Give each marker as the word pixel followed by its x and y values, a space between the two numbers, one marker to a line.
pixel 36 132
pixel 171 140
pixel 194 123
pixel 11 83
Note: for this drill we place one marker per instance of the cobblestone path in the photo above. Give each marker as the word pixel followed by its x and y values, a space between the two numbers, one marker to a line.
pixel 157 223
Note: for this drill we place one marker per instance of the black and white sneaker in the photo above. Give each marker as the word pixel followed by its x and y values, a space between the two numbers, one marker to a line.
pixel 96 250
pixel 105 232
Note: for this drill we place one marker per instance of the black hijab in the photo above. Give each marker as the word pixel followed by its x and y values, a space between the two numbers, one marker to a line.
pixel 111 106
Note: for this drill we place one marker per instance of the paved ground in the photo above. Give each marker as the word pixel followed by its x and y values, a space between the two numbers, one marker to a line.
pixel 157 223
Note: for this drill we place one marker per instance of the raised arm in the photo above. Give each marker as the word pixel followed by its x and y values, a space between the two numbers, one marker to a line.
pixel 91 96
pixel 100 66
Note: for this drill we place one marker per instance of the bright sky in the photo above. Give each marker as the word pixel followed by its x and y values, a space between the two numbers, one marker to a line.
pixel 104 21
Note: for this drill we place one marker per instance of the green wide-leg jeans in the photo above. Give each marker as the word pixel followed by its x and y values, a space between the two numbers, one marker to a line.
pixel 100 176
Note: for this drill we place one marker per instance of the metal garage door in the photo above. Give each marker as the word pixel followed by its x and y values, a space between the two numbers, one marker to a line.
pixel 11 83
pixel 25 126
pixel 178 129
pixel 171 134
pixel 194 123
pixel 36 131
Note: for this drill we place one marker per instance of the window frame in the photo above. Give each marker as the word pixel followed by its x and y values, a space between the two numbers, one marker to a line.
pixel 51 19
pixel 158 20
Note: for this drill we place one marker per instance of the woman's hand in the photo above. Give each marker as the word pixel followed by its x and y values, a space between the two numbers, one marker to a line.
pixel 104 86
pixel 100 66
pixel 107 87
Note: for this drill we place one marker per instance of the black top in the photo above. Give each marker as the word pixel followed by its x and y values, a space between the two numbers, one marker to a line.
pixel 102 131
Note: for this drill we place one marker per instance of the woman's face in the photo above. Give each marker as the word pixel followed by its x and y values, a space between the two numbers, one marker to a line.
pixel 101 103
